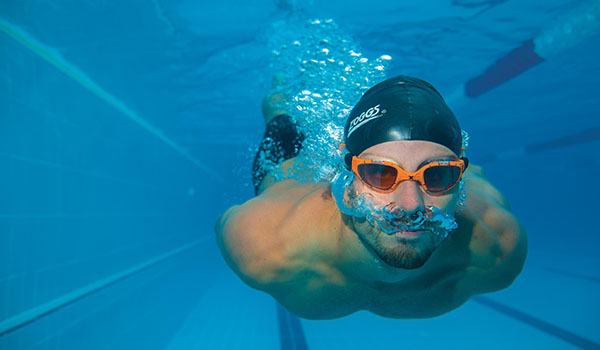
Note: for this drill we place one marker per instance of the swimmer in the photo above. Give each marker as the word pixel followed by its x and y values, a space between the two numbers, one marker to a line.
pixel 394 234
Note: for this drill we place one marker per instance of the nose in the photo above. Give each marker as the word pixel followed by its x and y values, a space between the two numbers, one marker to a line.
pixel 409 196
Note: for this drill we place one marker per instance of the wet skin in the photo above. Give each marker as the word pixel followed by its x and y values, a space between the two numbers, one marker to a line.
pixel 292 242
pixel 405 249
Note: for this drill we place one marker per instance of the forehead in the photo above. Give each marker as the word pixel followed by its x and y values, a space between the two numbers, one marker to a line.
pixel 408 153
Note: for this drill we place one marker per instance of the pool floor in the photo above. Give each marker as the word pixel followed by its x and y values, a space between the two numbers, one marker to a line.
pixel 530 314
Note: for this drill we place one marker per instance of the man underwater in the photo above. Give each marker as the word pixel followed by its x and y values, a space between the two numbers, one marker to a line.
pixel 393 234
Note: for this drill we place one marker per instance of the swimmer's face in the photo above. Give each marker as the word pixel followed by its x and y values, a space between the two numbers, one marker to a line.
pixel 405 249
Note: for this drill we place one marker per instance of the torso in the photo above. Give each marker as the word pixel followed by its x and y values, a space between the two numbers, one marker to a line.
pixel 347 281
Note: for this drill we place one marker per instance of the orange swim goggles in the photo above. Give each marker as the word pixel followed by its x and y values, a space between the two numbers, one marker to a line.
pixel 436 177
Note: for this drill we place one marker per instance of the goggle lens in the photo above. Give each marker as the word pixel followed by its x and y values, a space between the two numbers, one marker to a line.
pixel 437 178
pixel 380 176
pixel 440 178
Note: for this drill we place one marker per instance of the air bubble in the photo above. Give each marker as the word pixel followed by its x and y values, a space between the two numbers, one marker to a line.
pixel 319 57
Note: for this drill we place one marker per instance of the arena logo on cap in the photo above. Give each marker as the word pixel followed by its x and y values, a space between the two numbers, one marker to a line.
pixel 364 117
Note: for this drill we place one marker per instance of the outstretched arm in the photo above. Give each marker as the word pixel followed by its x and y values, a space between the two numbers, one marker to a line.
pixel 498 243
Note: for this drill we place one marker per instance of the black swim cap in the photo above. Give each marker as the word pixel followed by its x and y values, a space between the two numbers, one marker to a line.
pixel 401 108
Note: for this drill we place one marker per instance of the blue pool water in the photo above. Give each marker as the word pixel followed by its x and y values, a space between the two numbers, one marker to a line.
pixel 126 129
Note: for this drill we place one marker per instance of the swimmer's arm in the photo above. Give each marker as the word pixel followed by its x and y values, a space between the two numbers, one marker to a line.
pixel 244 236
pixel 254 240
pixel 498 243
pixel 296 273
pixel 476 183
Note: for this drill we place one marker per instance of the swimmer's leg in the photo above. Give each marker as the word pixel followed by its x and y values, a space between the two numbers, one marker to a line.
pixel 275 105
pixel 282 141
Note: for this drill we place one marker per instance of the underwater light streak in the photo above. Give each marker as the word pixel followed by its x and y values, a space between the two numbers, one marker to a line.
pixel 28 316
pixel 53 57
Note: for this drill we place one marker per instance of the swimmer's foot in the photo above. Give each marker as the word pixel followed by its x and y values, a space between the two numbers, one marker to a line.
pixel 276 103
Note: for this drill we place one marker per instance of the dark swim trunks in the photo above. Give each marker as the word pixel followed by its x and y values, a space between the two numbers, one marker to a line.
pixel 281 141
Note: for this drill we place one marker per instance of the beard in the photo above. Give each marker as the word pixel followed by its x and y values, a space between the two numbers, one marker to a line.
pixel 398 252
pixel 403 257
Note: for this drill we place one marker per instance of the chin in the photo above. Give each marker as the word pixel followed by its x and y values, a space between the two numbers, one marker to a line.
pixel 408 259
pixel 405 253
pixel 398 252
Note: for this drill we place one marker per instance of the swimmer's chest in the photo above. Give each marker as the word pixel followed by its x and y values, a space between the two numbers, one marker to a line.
pixel 430 294
pixel 411 301
pixel 426 296
pixel 406 300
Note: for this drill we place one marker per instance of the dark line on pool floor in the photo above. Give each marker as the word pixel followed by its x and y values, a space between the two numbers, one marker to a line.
pixel 572 274
pixel 38 312
pixel 587 135
pixel 539 324
pixel 291 335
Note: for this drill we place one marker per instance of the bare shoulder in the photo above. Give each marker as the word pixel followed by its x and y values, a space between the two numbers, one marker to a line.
pixel 498 241
pixel 266 238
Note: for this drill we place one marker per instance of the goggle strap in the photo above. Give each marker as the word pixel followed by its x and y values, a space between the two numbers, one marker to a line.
pixel 466 160
pixel 348 161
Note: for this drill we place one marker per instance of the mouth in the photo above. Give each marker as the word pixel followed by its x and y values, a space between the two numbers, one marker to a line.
pixel 413 234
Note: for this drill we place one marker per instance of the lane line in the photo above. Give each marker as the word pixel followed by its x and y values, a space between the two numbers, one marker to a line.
pixel 587 135
pixel 572 274
pixel 87 215
pixel 546 327
pixel 565 32
pixel 54 57
pixel 291 335
pixel 29 316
